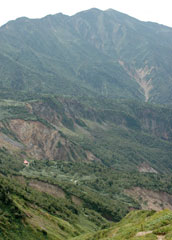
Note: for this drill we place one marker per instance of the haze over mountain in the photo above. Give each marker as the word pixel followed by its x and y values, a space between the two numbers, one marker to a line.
pixel 93 52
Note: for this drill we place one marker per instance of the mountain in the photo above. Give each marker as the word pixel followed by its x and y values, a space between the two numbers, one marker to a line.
pixel 31 209
pixel 30 214
pixel 93 52
pixel 85 128
pixel 109 154
pixel 121 134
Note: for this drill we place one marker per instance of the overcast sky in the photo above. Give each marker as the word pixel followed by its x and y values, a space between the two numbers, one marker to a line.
pixel 147 10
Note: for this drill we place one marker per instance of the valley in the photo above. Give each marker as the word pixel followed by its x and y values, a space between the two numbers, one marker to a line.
pixel 85 128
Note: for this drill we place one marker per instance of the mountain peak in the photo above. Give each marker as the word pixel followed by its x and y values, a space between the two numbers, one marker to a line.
pixel 89 11
pixel 102 52
pixel 93 10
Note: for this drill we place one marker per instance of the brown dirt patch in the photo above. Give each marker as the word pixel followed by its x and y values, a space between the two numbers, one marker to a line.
pixel 77 200
pixel 140 234
pixel 150 200
pixel 47 188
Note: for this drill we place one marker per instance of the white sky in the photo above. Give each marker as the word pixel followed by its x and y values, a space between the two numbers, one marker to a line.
pixel 147 10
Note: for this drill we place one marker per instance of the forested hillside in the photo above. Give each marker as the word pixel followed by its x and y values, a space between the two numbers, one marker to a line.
pixel 85 128
pixel 93 52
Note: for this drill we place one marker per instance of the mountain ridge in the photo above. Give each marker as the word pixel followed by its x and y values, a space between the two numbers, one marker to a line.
pixel 85 127
pixel 93 51
pixel 90 9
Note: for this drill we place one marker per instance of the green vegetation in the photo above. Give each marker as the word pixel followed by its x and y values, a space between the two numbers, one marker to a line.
pixel 65 108
pixel 27 213
pixel 10 163
pixel 119 137
pixel 146 225
pixel 91 53
pixel 121 134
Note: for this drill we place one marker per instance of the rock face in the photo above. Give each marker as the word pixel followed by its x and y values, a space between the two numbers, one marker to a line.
pixel 9 143
pixel 146 168
pixel 150 200
pixel 42 142
pixel 38 141
pixel 141 76
pixel 55 121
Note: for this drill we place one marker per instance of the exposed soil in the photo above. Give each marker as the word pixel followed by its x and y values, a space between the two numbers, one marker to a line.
pixel 42 142
pixel 9 143
pixel 160 237
pixel 146 85
pixel 141 77
pixel 91 156
pixel 140 234
pixel 145 168
pixel 77 200
pixel 48 188
pixel 150 200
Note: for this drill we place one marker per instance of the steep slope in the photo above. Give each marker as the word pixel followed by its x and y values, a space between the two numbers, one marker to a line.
pixel 138 225
pixel 31 209
pixel 98 150
pixel 30 214
pixel 75 162
pixel 119 134
pixel 93 52
pixel 47 56
pixel 140 48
